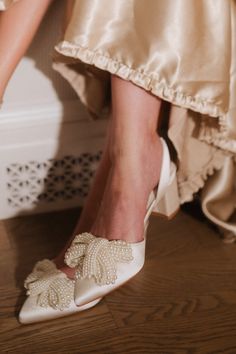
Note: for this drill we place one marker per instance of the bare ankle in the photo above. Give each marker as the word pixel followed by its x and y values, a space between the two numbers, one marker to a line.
pixel 136 145
pixel 138 170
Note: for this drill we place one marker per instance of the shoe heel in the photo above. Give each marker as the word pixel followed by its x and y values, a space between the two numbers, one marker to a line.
pixel 169 205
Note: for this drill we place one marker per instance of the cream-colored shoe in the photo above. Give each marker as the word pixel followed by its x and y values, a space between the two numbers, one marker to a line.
pixel 50 295
pixel 103 265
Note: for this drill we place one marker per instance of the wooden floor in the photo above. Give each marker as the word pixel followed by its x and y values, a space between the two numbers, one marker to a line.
pixel 183 301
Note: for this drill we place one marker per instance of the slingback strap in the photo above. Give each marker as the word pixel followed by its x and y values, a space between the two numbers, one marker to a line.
pixel 167 174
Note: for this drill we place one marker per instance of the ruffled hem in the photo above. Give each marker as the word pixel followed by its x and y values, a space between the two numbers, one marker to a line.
pixel 217 134
pixel 187 188
pixel 148 81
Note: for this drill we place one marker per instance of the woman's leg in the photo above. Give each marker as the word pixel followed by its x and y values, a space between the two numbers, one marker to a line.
pixel 17 28
pixel 135 153
pixel 129 170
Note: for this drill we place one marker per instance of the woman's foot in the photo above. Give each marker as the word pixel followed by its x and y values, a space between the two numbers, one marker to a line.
pixel 123 205
pixel 103 265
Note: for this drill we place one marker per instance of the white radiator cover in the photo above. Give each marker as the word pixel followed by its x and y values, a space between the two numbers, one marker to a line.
pixel 49 148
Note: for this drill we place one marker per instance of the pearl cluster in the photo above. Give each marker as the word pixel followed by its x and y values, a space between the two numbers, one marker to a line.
pixel 50 285
pixel 97 257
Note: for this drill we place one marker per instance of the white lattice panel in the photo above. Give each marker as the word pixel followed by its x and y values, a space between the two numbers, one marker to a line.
pixel 39 175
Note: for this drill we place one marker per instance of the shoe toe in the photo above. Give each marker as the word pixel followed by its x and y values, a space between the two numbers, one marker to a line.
pixel 31 312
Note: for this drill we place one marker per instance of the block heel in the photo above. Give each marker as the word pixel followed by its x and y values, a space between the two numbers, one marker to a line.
pixel 169 204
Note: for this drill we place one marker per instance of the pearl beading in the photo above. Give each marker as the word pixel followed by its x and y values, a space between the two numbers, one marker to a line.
pixel 50 285
pixel 97 257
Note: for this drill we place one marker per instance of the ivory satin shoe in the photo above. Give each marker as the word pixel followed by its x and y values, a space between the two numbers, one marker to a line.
pixel 103 265
pixel 50 295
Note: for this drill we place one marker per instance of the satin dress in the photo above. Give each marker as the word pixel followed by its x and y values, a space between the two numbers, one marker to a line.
pixel 182 51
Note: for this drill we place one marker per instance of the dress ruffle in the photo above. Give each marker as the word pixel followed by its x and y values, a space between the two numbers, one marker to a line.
pixel 149 81
pixel 197 160
pixel 193 183
pixel 217 134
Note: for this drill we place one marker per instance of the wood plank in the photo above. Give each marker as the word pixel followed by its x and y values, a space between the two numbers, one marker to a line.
pixel 4 239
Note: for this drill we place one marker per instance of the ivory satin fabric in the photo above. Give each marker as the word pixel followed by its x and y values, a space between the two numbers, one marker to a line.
pixel 183 51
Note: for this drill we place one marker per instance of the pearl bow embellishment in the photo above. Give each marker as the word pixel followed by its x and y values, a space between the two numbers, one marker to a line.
pixel 52 286
pixel 97 257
